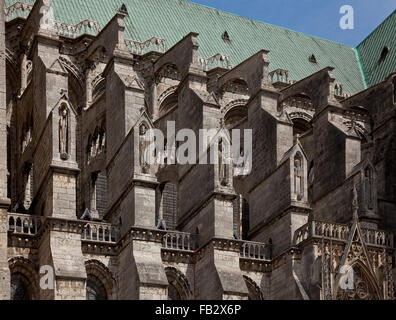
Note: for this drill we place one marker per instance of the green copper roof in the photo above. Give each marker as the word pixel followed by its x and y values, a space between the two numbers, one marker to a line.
pixel 371 48
pixel 173 19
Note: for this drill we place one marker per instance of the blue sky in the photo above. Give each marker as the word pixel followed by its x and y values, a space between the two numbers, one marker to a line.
pixel 315 17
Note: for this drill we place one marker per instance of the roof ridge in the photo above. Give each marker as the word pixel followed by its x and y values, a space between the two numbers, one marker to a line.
pixel 362 68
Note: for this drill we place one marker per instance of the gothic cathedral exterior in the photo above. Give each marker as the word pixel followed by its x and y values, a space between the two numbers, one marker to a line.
pixel 79 87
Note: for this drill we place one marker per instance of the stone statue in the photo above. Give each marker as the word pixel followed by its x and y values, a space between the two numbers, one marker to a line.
pixel 63 133
pixel 298 178
pixel 142 148
pixel 222 165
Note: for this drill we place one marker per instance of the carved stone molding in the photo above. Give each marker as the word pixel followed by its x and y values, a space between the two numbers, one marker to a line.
pixel 100 249
pixel 62 225
pixel 255 266
pixel 171 256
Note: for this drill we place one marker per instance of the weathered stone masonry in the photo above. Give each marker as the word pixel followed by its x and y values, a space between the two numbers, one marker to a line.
pixel 76 195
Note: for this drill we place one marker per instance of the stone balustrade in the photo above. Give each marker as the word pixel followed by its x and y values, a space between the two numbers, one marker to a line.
pixel 302 234
pixel 377 238
pixel 279 75
pixel 179 241
pixel 255 251
pixel 341 232
pixel 87 27
pixel 338 89
pixel 100 232
pixel 24 224
pixel 216 61
pixel 151 45
pixel 330 230
pixel 17 10
pixel 317 229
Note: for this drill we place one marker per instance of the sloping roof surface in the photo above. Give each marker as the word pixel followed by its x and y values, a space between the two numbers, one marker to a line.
pixel 371 48
pixel 173 19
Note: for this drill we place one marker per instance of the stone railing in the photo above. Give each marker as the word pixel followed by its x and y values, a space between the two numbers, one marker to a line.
pixel 180 241
pixel 24 224
pixel 326 230
pixel 100 232
pixel 302 234
pixel 87 27
pixel 17 10
pixel 217 61
pixel 378 238
pixel 255 251
pixel 339 91
pixel 279 75
pixel 150 45
pixel 341 232
pixel 330 230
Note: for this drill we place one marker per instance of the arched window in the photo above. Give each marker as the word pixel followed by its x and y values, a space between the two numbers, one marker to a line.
pixel 169 205
pixel 237 212
pixel 8 163
pixel 169 104
pixel 95 290
pixel 235 115
pixel 101 194
pixel 20 287
pixel 363 286
pixel 245 219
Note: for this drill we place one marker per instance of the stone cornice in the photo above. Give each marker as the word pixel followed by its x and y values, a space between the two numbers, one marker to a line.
pixel 60 225
pixel 105 249
pixel 141 234
pixel 22 241
pixel 149 235
pixel 254 265
pixel 226 244
pixel 186 257
pixel 5 203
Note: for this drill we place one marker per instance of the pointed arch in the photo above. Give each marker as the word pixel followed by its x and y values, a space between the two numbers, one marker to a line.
pixel 255 292
pixel 101 284
pixel 365 286
pixel 179 288
pixel 24 279
pixel 99 89
pixel 168 104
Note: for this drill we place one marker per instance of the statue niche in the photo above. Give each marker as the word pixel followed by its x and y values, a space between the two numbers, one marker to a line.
pixel 223 177
pixel 64 132
pixel 298 177
pixel 143 148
